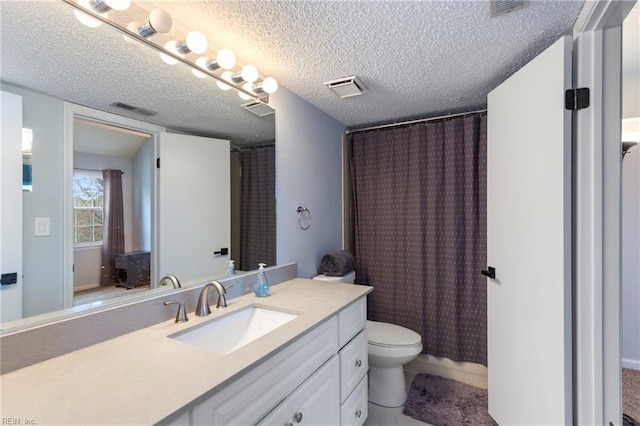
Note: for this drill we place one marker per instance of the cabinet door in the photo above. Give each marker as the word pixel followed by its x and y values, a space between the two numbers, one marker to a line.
pixel 315 402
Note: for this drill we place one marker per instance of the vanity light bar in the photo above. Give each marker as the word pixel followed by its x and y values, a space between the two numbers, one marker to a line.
pixel 263 97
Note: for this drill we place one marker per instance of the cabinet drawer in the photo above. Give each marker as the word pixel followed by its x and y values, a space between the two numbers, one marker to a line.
pixel 351 320
pixel 315 402
pixel 249 398
pixel 354 411
pixel 354 364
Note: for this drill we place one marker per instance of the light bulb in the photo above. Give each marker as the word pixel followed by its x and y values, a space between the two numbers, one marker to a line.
pixel 133 27
pixel 269 85
pixel 118 4
pixel 202 63
pixel 226 76
pixel 249 73
pixel 159 22
pixel 249 88
pixel 226 59
pixel 85 18
pixel 171 47
pixel 197 42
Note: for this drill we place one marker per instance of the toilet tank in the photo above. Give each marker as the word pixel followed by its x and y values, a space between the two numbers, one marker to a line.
pixel 348 278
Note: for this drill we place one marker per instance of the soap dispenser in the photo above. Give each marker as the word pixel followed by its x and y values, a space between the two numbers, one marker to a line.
pixel 261 287
pixel 230 268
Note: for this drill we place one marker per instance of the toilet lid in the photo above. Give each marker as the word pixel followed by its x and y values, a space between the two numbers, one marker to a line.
pixel 385 334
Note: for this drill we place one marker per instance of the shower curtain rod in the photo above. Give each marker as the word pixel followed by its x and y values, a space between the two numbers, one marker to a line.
pixel 90 170
pixel 421 120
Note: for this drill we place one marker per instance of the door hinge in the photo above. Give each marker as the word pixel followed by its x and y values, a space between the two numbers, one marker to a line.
pixel 575 99
pixel 158 163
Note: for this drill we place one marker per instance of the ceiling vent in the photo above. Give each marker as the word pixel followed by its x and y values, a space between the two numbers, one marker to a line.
pixel 501 7
pixel 258 108
pixel 346 87
pixel 135 109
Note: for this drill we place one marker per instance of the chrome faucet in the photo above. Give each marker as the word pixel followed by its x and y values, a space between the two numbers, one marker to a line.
pixel 172 278
pixel 181 315
pixel 202 308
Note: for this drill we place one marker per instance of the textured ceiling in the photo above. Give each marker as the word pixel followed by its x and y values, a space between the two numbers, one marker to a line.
pixel 417 58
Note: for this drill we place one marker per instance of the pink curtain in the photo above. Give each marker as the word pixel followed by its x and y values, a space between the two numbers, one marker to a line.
pixel 113 237
pixel 420 230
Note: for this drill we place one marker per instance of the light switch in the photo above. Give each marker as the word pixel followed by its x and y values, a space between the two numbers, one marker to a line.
pixel 41 227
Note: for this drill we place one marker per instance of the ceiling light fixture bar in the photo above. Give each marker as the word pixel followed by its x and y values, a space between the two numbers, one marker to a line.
pixel 134 35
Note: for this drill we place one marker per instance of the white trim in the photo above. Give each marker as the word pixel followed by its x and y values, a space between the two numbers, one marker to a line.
pixel 70 112
pixel 86 287
pixel 633 364
pixel 597 65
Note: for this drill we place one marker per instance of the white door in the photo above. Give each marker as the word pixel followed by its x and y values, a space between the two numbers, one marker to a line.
pixel 194 199
pixel 11 207
pixel 529 243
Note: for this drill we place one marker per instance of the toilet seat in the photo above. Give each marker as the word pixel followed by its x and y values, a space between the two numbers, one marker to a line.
pixel 391 335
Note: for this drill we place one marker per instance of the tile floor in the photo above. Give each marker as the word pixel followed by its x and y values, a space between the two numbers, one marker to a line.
pixel 384 416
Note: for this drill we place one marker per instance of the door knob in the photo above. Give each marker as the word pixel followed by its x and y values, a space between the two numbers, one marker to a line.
pixel 489 272
pixel 223 251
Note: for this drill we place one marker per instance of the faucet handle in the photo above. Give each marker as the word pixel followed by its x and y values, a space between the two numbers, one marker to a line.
pixel 222 299
pixel 181 315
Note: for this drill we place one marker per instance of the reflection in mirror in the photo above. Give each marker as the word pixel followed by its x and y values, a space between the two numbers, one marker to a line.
pixel 100 148
pixel 55 59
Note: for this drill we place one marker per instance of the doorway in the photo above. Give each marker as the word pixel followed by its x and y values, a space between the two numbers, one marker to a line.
pixel 97 141
pixel 97 147
pixel 630 227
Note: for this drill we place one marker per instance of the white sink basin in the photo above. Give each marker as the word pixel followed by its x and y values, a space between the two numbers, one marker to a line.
pixel 230 332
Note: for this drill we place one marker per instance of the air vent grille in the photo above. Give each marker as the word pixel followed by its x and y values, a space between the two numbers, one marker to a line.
pixel 501 7
pixel 258 108
pixel 346 87
pixel 135 109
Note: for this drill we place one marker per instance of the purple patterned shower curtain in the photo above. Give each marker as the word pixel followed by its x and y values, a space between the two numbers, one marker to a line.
pixel 113 230
pixel 420 230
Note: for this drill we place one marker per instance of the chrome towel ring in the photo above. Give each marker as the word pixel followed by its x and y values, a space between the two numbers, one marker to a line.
pixel 300 211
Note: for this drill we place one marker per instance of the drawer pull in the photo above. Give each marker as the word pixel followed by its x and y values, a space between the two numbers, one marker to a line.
pixel 358 414
pixel 289 424
pixel 297 417
pixel 358 363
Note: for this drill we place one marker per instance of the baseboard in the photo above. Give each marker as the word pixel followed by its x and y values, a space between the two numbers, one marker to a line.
pixel 465 372
pixel 85 287
pixel 633 364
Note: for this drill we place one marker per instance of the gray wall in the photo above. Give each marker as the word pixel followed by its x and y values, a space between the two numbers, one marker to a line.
pixel 631 259
pixel 309 174
pixel 43 256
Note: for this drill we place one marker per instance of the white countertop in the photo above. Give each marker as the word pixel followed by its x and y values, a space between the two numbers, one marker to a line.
pixel 144 376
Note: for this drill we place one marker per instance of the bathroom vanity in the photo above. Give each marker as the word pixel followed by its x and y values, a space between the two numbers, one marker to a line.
pixel 310 369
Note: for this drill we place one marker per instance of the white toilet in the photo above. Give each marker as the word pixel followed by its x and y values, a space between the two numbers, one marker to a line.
pixel 390 347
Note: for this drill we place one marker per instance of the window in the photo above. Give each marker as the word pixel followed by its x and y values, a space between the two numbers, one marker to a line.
pixel 88 191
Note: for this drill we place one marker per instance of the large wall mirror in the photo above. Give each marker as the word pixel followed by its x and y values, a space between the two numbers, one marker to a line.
pixel 96 102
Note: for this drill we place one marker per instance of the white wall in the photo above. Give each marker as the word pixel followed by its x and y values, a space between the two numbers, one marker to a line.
pixel 11 205
pixel 43 256
pixel 87 262
pixel 142 171
pixel 631 259
pixel 309 174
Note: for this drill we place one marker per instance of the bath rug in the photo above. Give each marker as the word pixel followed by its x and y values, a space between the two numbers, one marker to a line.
pixel 631 396
pixel 443 402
